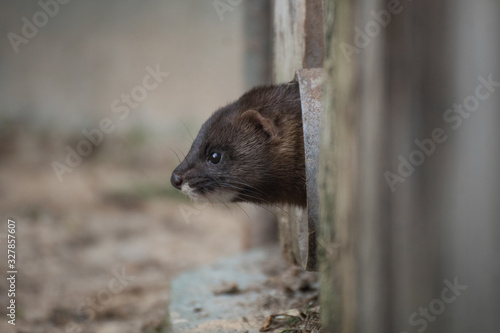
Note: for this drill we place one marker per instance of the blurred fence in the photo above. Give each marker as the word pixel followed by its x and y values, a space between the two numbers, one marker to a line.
pixel 409 167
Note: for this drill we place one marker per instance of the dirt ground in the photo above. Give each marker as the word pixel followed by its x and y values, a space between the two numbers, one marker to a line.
pixel 96 252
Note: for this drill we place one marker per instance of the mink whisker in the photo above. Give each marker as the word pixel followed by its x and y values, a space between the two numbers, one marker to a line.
pixel 175 154
pixel 263 201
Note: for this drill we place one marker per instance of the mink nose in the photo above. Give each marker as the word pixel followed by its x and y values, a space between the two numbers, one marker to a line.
pixel 176 180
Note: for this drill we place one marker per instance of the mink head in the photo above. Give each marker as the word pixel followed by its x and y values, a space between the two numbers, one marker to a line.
pixel 250 150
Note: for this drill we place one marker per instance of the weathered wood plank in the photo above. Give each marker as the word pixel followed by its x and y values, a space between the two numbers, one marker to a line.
pixel 298 43
pixel 409 199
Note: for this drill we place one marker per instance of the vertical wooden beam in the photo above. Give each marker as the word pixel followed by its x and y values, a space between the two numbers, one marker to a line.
pixel 470 206
pixel 297 37
pixel 409 195
pixel 328 252
pixel 297 43
pixel 257 25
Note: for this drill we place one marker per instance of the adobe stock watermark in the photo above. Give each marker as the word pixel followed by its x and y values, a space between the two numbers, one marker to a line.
pixel 121 108
pixel 223 6
pixel 372 29
pixel 427 314
pixel 454 116
pixel 93 305
pixel 331 250
pixel 29 29
pixel 190 211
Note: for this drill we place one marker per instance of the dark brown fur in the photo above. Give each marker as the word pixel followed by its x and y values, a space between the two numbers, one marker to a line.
pixel 261 142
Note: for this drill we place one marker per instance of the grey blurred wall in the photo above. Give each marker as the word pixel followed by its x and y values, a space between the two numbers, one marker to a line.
pixel 68 75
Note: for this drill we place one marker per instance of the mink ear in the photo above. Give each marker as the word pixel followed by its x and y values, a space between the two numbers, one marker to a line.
pixel 267 125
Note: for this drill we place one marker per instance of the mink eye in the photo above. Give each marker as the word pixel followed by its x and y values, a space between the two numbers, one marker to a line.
pixel 214 157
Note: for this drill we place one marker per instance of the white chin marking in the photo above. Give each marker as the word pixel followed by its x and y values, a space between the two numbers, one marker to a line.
pixel 187 190
pixel 215 197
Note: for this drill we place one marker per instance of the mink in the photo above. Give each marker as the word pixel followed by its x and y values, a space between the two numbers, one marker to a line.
pixel 251 150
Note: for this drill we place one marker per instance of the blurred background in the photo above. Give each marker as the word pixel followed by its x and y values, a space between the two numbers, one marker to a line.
pixel 82 223
pixel 100 232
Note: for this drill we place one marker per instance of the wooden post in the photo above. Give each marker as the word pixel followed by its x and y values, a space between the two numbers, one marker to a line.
pixel 298 43
pixel 410 192
pixel 298 40
pixel 257 25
